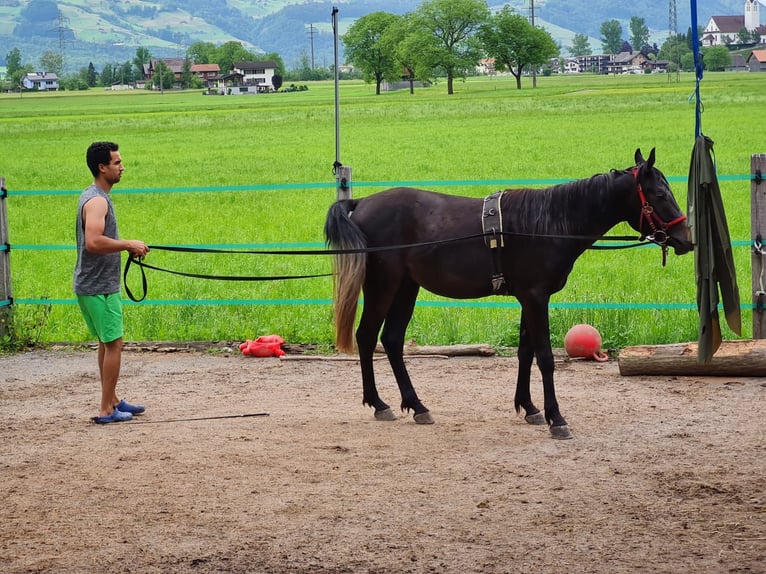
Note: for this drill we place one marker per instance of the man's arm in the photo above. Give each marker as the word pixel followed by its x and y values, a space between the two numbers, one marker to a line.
pixel 94 217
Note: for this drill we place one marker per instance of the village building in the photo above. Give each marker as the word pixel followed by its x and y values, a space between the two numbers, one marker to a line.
pixel 756 62
pixel 724 30
pixel 41 81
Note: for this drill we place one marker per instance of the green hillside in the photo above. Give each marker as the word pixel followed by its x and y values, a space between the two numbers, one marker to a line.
pixel 109 31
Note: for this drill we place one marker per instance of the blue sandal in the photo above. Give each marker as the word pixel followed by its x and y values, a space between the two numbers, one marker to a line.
pixel 128 408
pixel 117 416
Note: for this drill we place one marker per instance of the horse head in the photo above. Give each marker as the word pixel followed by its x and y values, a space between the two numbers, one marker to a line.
pixel 661 220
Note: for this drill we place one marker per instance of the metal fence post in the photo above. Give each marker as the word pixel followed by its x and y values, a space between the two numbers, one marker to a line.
pixel 758 230
pixel 6 299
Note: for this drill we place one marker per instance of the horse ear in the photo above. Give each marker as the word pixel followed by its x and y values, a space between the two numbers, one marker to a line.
pixel 650 161
pixel 639 158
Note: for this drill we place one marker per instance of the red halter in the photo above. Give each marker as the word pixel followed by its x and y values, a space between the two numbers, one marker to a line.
pixel 659 234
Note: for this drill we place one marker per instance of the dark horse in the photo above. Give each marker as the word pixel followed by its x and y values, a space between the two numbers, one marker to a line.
pixel 443 250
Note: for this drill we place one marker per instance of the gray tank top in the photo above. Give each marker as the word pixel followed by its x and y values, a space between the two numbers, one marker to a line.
pixel 96 274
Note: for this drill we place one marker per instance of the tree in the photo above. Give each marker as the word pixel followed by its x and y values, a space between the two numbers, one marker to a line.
pixel 12 62
pixel 580 45
pixel 611 33
pixel 744 36
pixel 639 32
pixel 164 78
pixel 452 25
pixel 277 59
pixel 202 52
pixel 52 62
pixel 107 75
pixel 143 57
pixel 187 77
pixel 276 81
pixel 406 44
pixel 716 58
pixel 126 73
pixel 367 50
pixel 673 50
pixel 515 43
pixel 91 78
pixel 228 53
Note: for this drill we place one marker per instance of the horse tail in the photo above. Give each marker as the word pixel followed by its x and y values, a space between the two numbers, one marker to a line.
pixel 348 269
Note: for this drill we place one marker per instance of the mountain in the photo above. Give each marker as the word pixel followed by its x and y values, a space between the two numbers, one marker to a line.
pixel 109 31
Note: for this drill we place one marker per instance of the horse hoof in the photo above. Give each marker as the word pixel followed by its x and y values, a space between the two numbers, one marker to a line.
pixel 385 415
pixel 424 418
pixel 561 432
pixel 536 419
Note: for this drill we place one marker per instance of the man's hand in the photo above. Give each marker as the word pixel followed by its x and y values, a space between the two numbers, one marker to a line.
pixel 138 249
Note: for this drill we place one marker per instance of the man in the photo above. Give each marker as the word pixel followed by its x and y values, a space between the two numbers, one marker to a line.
pixel 97 275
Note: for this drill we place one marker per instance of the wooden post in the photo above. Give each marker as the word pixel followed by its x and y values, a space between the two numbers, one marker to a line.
pixel 343 178
pixel 5 264
pixel 758 227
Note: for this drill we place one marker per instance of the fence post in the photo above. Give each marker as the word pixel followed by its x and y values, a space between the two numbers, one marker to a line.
pixel 758 227
pixel 5 264
pixel 343 179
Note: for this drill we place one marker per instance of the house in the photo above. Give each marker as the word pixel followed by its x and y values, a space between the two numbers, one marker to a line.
pixel 257 74
pixel 627 63
pixel 738 64
pixel 596 63
pixel 486 67
pixel 208 73
pixel 42 81
pixel 724 30
pixel 756 61
pixel 175 65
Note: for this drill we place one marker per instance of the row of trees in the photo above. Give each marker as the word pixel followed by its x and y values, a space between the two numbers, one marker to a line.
pixel 131 71
pixel 440 38
pixel 444 38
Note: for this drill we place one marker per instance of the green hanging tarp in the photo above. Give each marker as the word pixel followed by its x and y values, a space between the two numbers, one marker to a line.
pixel 713 260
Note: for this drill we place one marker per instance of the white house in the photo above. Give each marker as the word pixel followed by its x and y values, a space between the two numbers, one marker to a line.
pixel 259 74
pixel 723 30
pixel 42 81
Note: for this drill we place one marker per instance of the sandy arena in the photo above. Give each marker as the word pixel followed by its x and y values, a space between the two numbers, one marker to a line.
pixel 665 474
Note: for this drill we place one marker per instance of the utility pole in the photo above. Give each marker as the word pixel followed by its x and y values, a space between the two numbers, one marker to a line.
pixel 311 37
pixel 62 29
pixel 532 21
pixel 673 38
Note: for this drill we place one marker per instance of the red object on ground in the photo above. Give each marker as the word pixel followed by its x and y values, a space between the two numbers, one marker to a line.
pixel 584 341
pixel 264 346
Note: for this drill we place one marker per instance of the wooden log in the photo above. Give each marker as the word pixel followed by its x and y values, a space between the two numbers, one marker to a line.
pixel 741 358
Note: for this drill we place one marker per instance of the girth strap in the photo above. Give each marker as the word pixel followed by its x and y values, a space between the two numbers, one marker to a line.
pixel 492 227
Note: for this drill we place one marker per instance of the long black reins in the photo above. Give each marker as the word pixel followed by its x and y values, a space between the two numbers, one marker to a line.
pixel 142 265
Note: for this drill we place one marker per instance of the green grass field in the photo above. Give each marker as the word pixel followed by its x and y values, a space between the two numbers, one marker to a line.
pixel 257 170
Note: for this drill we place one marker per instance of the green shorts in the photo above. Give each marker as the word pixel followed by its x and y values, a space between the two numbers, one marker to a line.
pixel 103 315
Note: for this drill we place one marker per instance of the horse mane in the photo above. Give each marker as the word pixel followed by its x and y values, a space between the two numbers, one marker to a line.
pixel 561 209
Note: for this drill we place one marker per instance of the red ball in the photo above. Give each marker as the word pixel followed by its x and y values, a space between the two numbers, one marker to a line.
pixel 584 341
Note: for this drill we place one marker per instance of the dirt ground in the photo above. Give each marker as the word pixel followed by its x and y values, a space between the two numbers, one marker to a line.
pixel 665 474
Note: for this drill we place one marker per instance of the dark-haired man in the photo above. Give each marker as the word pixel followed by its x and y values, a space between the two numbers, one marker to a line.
pixel 97 274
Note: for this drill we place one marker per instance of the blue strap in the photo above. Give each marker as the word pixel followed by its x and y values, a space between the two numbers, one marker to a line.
pixel 698 69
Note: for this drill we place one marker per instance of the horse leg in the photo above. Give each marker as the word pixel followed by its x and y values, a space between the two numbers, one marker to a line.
pixel 523 398
pixel 366 339
pixel 392 338
pixel 536 319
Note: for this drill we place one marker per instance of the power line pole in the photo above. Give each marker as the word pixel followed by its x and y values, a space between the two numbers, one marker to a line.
pixel 311 37
pixel 62 29
pixel 673 38
pixel 532 22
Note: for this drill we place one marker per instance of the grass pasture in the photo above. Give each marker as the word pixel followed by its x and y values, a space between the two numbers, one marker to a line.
pixel 256 171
